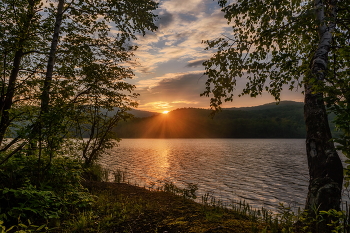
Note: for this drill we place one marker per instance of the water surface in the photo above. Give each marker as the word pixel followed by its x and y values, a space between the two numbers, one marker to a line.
pixel 264 172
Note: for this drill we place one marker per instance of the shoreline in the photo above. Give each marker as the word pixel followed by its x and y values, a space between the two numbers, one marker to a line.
pixel 160 211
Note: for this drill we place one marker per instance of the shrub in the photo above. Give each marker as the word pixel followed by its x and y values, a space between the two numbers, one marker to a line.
pixel 41 190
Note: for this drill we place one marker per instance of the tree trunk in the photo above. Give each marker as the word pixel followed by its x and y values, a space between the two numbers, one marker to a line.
pixel 7 102
pixel 45 96
pixel 325 167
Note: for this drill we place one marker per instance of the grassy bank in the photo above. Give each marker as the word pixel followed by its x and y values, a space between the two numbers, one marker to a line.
pixel 120 207
pixel 127 208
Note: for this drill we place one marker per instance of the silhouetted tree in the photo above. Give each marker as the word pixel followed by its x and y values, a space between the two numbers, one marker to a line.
pixel 276 44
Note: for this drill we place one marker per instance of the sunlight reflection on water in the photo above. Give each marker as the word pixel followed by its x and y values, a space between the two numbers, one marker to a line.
pixel 264 172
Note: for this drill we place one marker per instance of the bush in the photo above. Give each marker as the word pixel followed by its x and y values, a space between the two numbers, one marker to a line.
pixel 96 172
pixel 41 190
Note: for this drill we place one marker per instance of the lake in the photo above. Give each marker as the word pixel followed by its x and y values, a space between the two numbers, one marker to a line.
pixel 263 172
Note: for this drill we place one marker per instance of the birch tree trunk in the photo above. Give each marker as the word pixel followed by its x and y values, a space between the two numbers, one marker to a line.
pixel 325 167
pixel 44 119
pixel 45 97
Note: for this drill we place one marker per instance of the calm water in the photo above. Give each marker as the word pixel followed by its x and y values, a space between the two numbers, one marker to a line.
pixel 264 172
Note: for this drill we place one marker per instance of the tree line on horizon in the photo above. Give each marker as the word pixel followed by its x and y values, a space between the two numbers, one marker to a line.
pixel 267 121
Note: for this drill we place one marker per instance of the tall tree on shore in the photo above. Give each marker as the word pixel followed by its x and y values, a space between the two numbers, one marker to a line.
pixel 19 42
pixel 65 66
pixel 90 57
pixel 53 45
pixel 289 44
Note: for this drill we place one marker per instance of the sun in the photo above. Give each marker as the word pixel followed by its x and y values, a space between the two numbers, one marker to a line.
pixel 165 112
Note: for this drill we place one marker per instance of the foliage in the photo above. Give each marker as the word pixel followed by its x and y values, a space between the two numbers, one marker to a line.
pixel 272 46
pixel 63 174
pixel 63 58
pixel 342 112
pixel 96 172
pixel 277 45
pixel 23 228
pixel 64 66
pixel 338 97
pixel 188 192
pixel 120 176
pixel 28 194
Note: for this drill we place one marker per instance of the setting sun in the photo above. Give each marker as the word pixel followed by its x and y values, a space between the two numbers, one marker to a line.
pixel 165 112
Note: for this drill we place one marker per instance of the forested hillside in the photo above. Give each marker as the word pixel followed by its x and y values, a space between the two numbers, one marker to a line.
pixel 267 121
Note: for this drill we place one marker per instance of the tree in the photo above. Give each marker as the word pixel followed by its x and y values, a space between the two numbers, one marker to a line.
pixel 279 44
pixel 64 66
pixel 19 21
pixel 97 116
pixel 58 42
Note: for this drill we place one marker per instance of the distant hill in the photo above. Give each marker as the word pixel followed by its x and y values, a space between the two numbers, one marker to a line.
pixel 270 106
pixel 284 120
pixel 141 113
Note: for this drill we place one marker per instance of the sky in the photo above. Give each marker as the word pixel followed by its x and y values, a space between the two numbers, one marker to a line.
pixel 169 74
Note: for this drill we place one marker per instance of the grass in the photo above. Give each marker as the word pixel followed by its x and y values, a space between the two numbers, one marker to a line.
pixel 120 207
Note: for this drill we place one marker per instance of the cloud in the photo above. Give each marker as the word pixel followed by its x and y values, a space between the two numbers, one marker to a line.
pixel 165 19
pixel 154 82
pixel 184 102
pixel 171 91
pixel 179 90
pixel 158 105
pixel 183 25
pixel 170 74
pixel 196 63
pixel 184 6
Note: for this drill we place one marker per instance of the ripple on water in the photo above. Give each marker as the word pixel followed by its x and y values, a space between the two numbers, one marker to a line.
pixel 264 172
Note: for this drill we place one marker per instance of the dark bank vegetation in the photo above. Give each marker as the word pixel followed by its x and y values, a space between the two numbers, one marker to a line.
pixel 118 207
pixel 284 120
